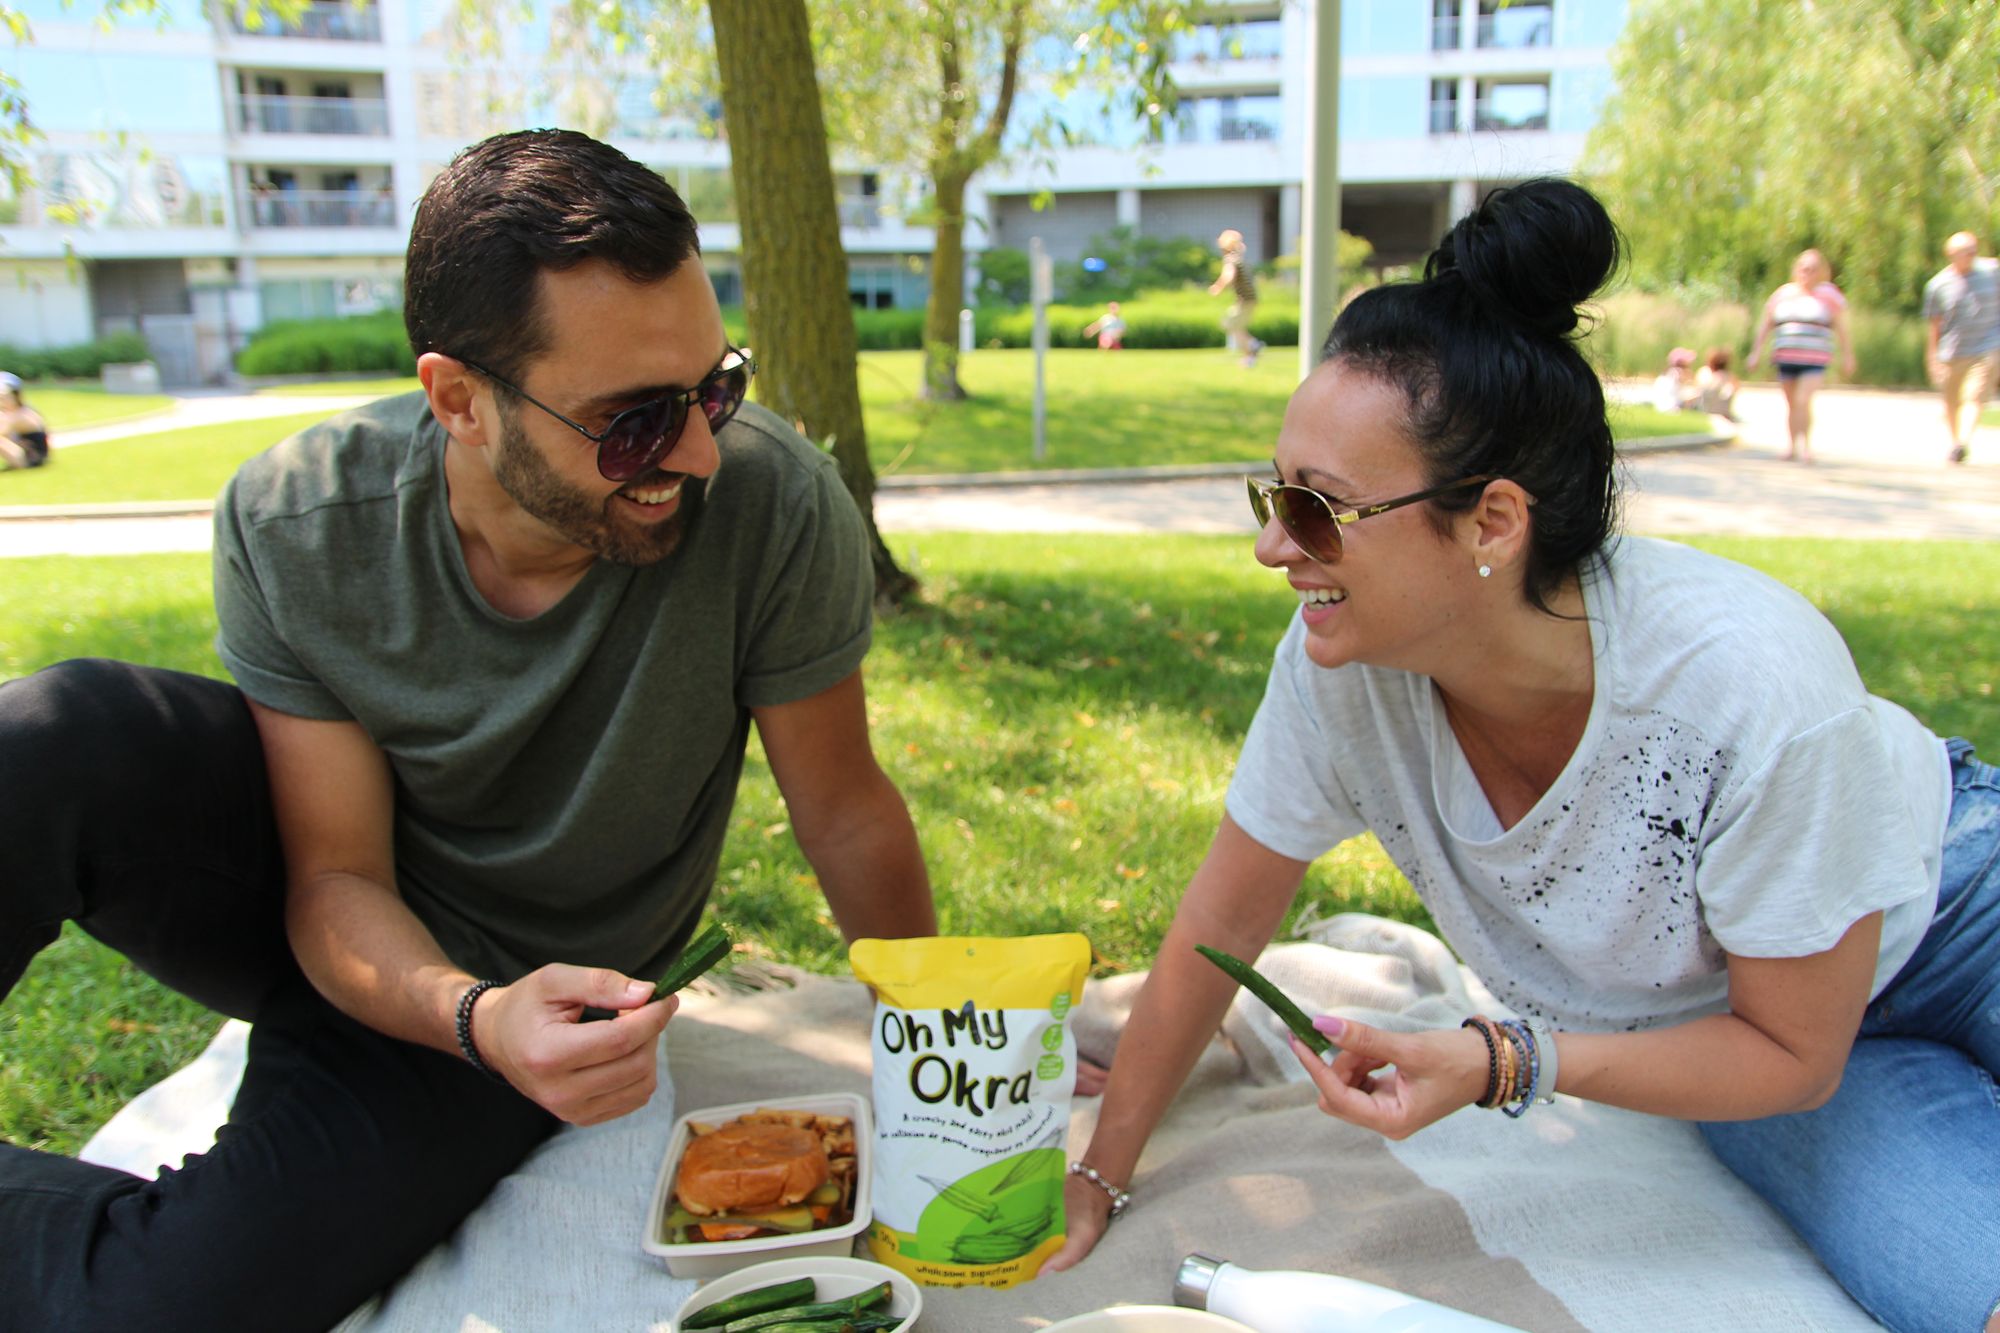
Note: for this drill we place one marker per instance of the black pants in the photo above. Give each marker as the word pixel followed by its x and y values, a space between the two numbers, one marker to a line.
pixel 133 802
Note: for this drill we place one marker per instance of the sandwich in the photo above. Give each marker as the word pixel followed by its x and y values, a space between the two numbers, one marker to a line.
pixel 766 1173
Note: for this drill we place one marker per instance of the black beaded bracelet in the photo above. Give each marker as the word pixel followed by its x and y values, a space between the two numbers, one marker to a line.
pixel 1492 1060
pixel 465 1044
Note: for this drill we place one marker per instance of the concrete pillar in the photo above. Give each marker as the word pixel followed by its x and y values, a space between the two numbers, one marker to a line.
pixel 1290 219
pixel 1128 209
pixel 1464 198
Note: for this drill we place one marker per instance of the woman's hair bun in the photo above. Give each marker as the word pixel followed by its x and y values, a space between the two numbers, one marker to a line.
pixel 1531 253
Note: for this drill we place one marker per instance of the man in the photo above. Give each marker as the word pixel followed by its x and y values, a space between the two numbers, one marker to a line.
pixel 499 647
pixel 1962 335
pixel 24 436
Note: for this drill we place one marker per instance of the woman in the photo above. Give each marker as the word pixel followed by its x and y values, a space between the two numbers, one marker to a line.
pixel 24 436
pixel 1640 789
pixel 1803 320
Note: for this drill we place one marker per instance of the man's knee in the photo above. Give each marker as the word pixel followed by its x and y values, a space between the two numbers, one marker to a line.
pixel 77 723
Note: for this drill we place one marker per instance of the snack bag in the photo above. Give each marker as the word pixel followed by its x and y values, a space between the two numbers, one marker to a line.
pixel 974 1066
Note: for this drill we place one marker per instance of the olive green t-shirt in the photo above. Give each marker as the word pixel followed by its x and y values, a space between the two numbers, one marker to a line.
pixel 562 783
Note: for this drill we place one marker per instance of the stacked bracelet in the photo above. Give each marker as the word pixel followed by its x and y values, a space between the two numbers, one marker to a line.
pixel 1520 1063
pixel 465 1043
pixel 1119 1198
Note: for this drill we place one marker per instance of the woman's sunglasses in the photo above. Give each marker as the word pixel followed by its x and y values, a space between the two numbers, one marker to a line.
pixel 1313 521
pixel 633 442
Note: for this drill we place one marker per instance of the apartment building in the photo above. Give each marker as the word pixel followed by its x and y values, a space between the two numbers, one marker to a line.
pixel 199 175
pixel 1439 101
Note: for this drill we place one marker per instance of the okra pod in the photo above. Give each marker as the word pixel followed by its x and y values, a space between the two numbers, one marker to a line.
pixel 703 952
pixel 1280 1004
pixel 824 1311
pixel 759 1300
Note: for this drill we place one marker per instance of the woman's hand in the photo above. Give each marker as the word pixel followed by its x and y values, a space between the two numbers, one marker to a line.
pixel 1088 1212
pixel 1435 1073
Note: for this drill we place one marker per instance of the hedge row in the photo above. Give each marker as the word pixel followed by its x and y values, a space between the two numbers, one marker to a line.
pixel 322 346
pixel 80 361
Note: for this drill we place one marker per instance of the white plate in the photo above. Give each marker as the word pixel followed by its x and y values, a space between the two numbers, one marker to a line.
pixel 1148 1319
pixel 713 1258
pixel 832 1279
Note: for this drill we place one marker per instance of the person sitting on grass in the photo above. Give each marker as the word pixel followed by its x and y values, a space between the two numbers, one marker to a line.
pixel 1641 790
pixel 24 436
pixel 1715 385
pixel 500 644
pixel 1673 389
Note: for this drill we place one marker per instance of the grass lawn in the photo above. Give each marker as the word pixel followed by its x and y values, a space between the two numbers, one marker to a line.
pixel 185 464
pixel 1124 409
pixel 1062 714
pixel 381 387
pixel 73 406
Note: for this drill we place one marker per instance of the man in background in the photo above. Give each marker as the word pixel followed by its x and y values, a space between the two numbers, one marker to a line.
pixel 1962 336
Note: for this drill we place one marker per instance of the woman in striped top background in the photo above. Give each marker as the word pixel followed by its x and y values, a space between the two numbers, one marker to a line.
pixel 1804 321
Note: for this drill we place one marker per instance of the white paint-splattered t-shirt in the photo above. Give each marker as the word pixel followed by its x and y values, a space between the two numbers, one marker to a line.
pixel 1736 788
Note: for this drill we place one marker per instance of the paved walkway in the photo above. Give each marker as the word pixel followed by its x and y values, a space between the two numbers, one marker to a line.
pixel 1880 474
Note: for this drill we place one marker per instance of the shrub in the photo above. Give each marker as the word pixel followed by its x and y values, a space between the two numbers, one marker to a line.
pixel 374 342
pixel 78 361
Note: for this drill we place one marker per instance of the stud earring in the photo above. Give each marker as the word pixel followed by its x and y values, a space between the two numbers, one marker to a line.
pixel 1486 571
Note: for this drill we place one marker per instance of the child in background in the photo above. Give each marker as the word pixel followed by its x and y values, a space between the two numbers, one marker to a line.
pixel 1109 328
pixel 1715 385
pixel 1674 390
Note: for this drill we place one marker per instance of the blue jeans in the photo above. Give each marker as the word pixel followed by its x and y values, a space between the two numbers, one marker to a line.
pixel 1895 1182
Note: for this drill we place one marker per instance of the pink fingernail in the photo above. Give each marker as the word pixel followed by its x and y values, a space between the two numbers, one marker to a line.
pixel 1330 1025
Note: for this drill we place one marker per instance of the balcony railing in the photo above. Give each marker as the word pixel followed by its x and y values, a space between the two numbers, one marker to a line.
pixel 265 113
pixel 317 208
pixel 1444 117
pixel 860 211
pixel 326 20
pixel 1528 28
pixel 1444 33
pixel 1489 117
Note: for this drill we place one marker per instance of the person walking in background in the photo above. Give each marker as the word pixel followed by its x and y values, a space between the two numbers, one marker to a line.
pixel 1241 284
pixel 24 436
pixel 1962 336
pixel 1715 384
pixel 1804 321
pixel 1108 328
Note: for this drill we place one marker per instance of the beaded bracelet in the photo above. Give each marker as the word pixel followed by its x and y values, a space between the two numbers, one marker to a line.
pixel 1522 1038
pixel 1119 1198
pixel 1478 1025
pixel 464 1025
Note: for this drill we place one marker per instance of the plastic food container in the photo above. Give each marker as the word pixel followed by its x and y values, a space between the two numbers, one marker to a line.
pixel 713 1258
pixel 1148 1319
pixel 833 1278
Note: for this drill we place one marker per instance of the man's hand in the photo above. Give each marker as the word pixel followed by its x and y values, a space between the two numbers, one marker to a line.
pixel 1088 1210
pixel 584 1073
pixel 1435 1073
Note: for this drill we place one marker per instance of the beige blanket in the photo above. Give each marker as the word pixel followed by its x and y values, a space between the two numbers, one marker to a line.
pixel 1574 1217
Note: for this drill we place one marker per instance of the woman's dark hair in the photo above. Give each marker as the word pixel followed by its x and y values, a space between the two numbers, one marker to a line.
pixel 1484 351
pixel 516 204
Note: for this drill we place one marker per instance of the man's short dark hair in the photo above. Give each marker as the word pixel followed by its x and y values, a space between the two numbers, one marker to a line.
pixel 513 205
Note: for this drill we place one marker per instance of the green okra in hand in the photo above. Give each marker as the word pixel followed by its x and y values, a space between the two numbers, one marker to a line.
pixel 1253 981
pixel 703 952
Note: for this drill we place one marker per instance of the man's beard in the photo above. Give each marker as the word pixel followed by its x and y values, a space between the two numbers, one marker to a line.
pixel 579 517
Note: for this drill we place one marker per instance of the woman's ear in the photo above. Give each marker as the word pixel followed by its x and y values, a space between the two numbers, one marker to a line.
pixel 467 415
pixel 1500 524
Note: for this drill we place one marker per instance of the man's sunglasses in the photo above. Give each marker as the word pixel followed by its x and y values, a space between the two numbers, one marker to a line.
pixel 633 442
pixel 1313 521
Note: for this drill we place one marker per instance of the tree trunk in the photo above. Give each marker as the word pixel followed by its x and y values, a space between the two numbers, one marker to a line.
pixel 947 291
pixel 794 271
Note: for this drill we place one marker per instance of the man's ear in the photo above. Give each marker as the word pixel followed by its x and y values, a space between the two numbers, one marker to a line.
pixel 1501 524
pixel 459 399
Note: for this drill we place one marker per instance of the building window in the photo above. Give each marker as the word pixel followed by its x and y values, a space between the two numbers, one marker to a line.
pixel 1244 39
pixel 1226 119
pixel 1516 23
pixel 1512 105
pixel 1444 106
pixel 1444 25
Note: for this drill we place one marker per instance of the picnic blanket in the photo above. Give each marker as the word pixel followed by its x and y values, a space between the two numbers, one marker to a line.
pixel 1575 1217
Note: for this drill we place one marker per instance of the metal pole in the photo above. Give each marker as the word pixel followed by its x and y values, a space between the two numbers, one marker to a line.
pixel 1041 289
pixel 1319 239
